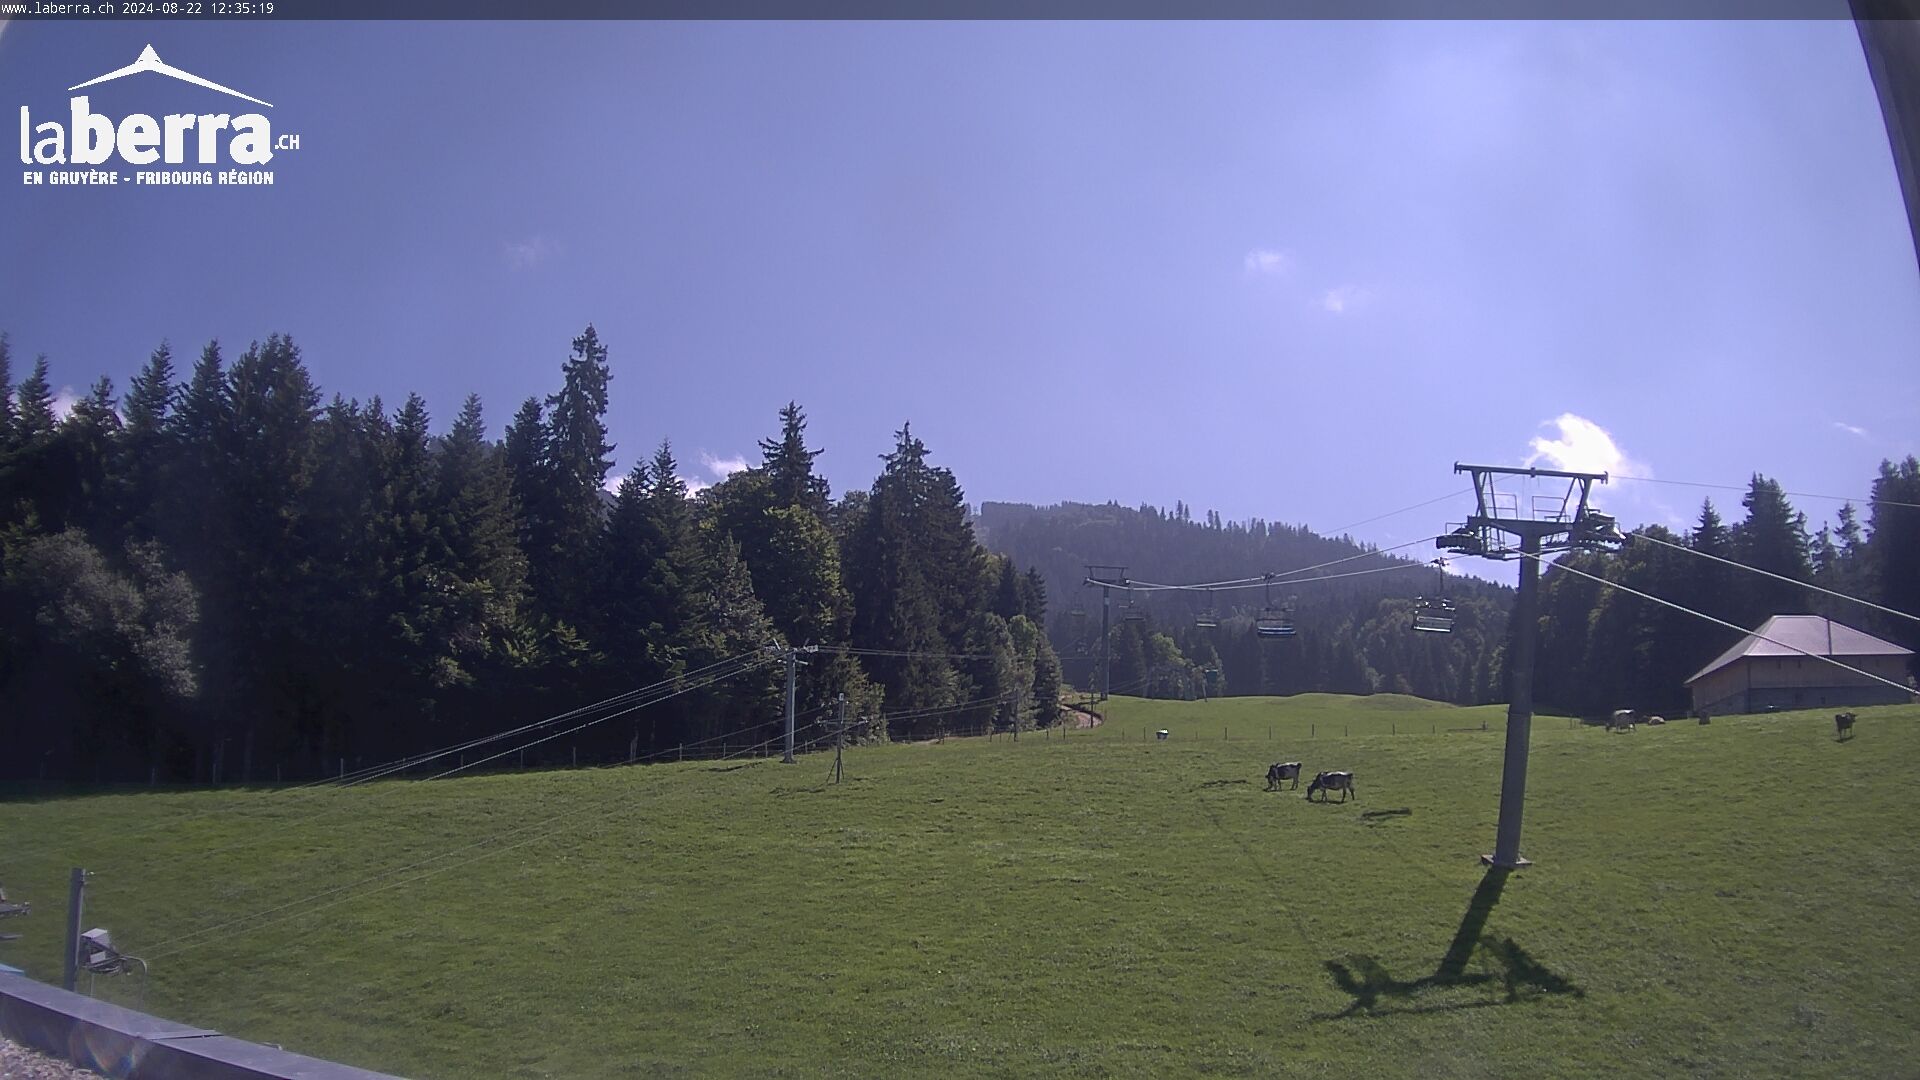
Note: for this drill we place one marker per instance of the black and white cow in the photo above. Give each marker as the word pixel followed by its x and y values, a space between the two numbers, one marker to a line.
pixel 1341 782
pixel 1280 772
pixel 1842 725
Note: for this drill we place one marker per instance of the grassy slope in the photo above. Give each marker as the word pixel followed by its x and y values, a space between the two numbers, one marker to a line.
pixel 1718 901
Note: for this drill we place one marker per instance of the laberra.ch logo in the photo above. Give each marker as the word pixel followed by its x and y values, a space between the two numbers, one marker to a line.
pixel 221 140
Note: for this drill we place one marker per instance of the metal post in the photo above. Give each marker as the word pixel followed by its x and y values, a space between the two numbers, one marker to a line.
pixel 839 733
pixel 76 899
pixel 1513 776
pixel 793 659
pixel 1106 642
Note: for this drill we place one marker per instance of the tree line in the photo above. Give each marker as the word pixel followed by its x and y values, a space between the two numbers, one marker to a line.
pixel 1602 649
pixel 224 575
pixel 1354 635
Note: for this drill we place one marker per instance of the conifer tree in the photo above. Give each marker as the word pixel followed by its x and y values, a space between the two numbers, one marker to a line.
pixel 144 447
pixel 577 460
pixel 6 394
pixel 788 464
pixel 479 550
pixel 1773 538
pixel 33 419
pixel 1894 548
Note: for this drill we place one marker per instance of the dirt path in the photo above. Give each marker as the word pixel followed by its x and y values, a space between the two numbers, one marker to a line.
pixel 1081 718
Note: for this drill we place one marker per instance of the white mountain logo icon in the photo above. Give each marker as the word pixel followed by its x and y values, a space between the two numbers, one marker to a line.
pixel 150 61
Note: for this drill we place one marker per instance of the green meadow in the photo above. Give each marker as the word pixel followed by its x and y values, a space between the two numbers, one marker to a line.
pixel 1732 900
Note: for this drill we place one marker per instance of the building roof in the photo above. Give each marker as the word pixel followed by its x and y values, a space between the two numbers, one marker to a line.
pixel 1805 634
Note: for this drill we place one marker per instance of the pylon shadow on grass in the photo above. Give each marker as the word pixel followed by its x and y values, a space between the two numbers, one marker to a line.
pixel 1499 965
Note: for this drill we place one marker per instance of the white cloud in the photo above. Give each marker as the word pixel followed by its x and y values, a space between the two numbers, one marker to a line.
pixel 1268 261
pixel 615 478
pixel 63 402
pixel 1851 429
pixel 721 468
pixel 1344 298
pixel 531 252
pixel 1583 446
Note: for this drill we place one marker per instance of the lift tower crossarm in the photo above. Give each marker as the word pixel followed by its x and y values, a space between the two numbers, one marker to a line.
pixel 1459 468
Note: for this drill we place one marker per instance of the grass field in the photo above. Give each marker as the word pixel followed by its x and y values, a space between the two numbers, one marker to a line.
pixel 1734 900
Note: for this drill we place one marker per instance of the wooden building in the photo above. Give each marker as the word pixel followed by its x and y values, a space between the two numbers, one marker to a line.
pixel 1758 675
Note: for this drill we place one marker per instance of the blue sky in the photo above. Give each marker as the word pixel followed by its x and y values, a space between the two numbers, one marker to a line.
pixel 1292 270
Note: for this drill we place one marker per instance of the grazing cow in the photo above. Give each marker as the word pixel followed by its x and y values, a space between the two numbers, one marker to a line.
pixel 1280 772
pixel 1341 782
pixel 1621 720
pixel 1842 725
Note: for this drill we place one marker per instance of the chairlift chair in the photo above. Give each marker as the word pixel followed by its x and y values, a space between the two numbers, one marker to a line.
pixel 1274 621
pixel 1596 529
pixel 1209 618
pixel 1134 612
pixel 1463 540
pixel 1434 614
pixel 1286 627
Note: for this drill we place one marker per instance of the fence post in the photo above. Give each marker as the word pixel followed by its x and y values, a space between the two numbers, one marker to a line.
pixel 76 897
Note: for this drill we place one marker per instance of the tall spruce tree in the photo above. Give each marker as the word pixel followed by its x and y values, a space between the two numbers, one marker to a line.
pixel 85 463
pixel 914 570
pixel 144 447
pixel 1894 548
pixel 1773 538
pixel 578 458
pixel 6 394
pixel 33 419
pixel 479 549
pixel 789 464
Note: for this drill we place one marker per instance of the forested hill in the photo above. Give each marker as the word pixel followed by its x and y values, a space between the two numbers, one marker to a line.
pixel 1354 634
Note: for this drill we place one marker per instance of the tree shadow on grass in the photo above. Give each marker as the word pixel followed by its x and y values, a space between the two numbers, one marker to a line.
pixel 1498 968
